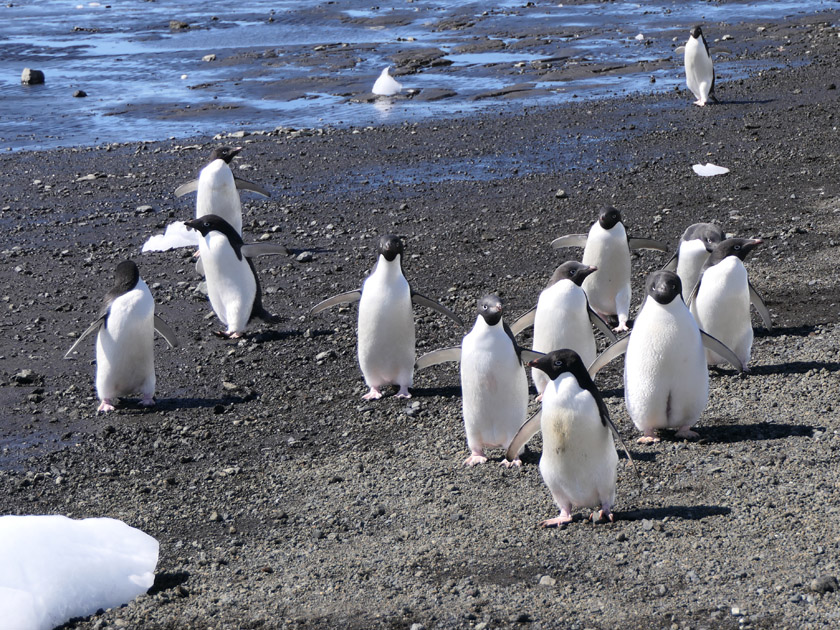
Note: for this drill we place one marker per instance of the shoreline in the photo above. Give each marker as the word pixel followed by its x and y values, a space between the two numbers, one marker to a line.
pixel 281 499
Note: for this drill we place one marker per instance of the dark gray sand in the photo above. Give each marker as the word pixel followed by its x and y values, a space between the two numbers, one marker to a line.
pixel 282 499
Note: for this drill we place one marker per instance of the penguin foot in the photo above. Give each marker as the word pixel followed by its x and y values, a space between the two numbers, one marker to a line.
pixel 105 406
pixel 600 515
pixel 148 401
pixel 516 462
pixel 223 334
pixel 622 327
pixel 403 393
pixel 373 394
pixel 475 458
pixel 557 521
pixel 687 434
pixel 649 439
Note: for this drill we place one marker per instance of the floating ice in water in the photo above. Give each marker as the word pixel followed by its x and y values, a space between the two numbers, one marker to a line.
pixel 53 568
pixel 640 37
pixel 386 85
pixel 709 169
pixel 176 235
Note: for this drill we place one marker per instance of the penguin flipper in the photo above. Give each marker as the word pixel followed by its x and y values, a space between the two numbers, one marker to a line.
pixel 715 345
pixel 422 300
pixel 183 189
pixel 166 332
pixel 570 240
pixel 525 433
pixel 647 243
pixel 527 356
pixel 524 322
pixel 94 327
pixel 443 355
pixel 611 353
pixel 601 325
pixel 758 302
pixel 679 50
pixel 263 249
pixel 199 267
pixel 244 184
pixel 341 298
pixel 671 265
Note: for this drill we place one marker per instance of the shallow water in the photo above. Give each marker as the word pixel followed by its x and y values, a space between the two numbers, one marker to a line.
pixel 291 63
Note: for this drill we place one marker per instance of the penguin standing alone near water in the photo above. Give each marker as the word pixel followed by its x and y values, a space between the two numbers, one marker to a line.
pixel 699 69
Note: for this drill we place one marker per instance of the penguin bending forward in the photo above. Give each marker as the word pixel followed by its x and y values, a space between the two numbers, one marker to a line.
pixel 125 352
pixel 386 321
pixel 696 244
pixel 607 247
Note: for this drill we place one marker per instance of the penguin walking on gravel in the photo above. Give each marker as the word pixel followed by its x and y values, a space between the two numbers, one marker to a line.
pixel 386 321
pixel 218 189
pixel 125 351
pixel 666 380
pixel 494 386
pixel 563 318
pixel 579 461
pixel 699 69
pixel 696 244
pixel 232 283
pixel 721 299
pixel 607 247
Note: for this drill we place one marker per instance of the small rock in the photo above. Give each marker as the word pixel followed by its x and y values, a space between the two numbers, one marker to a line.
pixel 144 209
pixel 736 612
pixel 621 537
pixel 32 77
pixel 214 517
pixel 560 194
pixel 418 626
pixel 79 94
pixel 25 377
pixel 304 257
pixel 229 387
pixel 210 57
pixel 825 584
pixel 522 618
pixel 547 580
pixel 647 524
pixel 177 25
pixel 323 356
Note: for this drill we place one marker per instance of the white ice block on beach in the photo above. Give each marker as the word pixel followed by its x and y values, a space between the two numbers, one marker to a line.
pixel 176 235
pixel 709 169
pixel 53 568
pixel 386 85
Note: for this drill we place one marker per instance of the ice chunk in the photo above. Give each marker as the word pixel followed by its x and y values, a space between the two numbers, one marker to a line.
pixel 709 169
pixel 386 85
pixel 176 235
pixel 53 568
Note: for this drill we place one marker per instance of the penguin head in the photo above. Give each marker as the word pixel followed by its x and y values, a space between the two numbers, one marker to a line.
pixel 709 233
pixel 224 153
pixel 558 361
pixel 664 286
pixel 740 247
pixel 210 222
pixel 697 32
pixel 126 276
pixel 571 270
pixel 608 217
pixel 390 245
pixel 490 308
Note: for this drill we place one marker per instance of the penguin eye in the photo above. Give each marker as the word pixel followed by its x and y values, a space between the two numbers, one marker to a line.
pixel 737 247
pixel 573 272
pixel 558 363
pixel 484 306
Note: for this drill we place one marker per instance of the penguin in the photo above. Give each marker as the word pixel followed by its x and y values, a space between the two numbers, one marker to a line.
pixel 579 461
pixel 385 329
pixel 607 247
pixel 217 188
pixel 696 244
pixel 125 327
pixel 386 85
pixel 562 318
pixel 494 386
pixel 232 283
pixel 721 299
pixel 699 70
pixel 666 381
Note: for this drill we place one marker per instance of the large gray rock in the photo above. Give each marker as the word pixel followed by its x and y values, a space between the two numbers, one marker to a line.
pixel 31 77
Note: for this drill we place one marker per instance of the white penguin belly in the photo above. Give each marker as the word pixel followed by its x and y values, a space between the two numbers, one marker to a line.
pixel 579 459
pixel 666 381
pixel 386 330
pixel 125 362
pixel 562 321
pixel 607 250
pixel 494 387
pixel 692 257
pixel 722 308
pixel 231 285
pixel 699 72
pixel 217 194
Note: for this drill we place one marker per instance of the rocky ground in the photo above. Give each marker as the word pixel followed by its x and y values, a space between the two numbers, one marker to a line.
pixel 280 498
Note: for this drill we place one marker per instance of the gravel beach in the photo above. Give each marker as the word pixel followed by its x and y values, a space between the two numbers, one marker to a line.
pixel 282 499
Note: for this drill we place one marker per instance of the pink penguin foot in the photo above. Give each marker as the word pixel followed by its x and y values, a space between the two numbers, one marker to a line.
pixel 227 335
pixel 649 437
pixel 476 457
pixel 373 394
pixel 148 401
pixel 622 327
pixel 516 462
pixel 403 393
pixel 686 433
pixel 600 515
pixel 105 406
pixel 564 518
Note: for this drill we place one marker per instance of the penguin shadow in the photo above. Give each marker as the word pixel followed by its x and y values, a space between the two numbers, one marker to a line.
pixel 729 433
pixel 745 101
pixel 294 251
pixel 795 331
pixel 265 336
pixel 684 512
pixel 445 391
pixel 218 405
pixel 796 367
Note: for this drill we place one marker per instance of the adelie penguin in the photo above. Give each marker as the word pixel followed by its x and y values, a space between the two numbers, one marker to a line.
pixel 607 247
pixel 699 69
pixel 232 283
pixel 579 460
pixel 386 321
pixel 563 318
pixel 696 244
pixel 217 188
pixel 494 386
pixel 125 351
pixel 666 380
pixel 721 299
